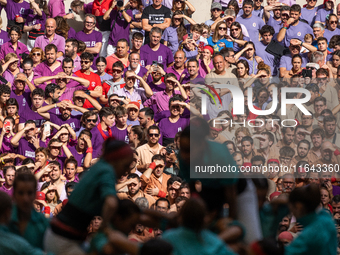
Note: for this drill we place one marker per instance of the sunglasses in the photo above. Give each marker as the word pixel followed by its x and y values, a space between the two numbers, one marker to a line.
pixel 258 1
pixel 178 19
pixel 78 98
pixel 232 30
pixel 36 54
pixel 116 71
pixel 310 68
pixel 222 28
pixel 54 147
pixel 90 120
pixel 216 10
pixel 84 62
pixel 131 78
pixel 155 135
pixel 333 22
pixel 321 79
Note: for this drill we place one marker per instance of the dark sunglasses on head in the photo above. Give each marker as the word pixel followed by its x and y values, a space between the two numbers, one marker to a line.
pixel 155 135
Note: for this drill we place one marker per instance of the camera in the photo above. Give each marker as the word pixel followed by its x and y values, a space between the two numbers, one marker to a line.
pixel 120 3
pixel 306 73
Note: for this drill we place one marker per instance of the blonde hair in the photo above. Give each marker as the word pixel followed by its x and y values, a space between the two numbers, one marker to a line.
pixel 41 53
pixel 243 130
pixel 308 37
pixel 216 36
pixel 10 55
pixel 264 67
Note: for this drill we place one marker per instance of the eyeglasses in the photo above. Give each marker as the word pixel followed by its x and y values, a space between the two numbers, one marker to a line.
pixel 235 29
pixel 222 28
pixel 91 120
pixel 36 54
pixel 215 10
pixel 84 62
pixel 116 71
pixel 155 135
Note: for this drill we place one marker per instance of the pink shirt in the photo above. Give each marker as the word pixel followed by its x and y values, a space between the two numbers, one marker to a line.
pixel 58 41
pixel 56 8
pixel 8 48
pixel 161 100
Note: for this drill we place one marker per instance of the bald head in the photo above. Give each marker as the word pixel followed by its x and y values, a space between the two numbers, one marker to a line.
pixel 180 59
pixel 51 26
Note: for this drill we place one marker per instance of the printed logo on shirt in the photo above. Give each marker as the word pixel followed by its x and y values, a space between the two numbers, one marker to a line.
pixel 93 43
pixel 160 59
pixel 142 63
pixel 104 10
pixel 24 102
pixel 72 125
pixel 39 123
pixel 299 33
pixel 93 83
pixel 22 11
pixel 254 24
pixel 126 139
pixel 179 129
pixel 29 154
pixel 156 18
pixel 1 41
pixel 82 162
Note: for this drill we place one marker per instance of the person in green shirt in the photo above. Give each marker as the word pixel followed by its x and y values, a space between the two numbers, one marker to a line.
pixel 319 235
pixel 25 221
pixel 10 243
pixel 94 195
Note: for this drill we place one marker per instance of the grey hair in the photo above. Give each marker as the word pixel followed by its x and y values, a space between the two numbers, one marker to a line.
pixel 230 12
pixel 18 74
pixel 142 203
pixel 319 25
pixel 285 8
pixel 316 57
pixel 156 30
pixel 91 16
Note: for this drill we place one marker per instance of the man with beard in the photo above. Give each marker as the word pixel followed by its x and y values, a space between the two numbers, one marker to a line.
pixel 154 180
pixel 146 118
pixel 178 68
pixel 95 88
pixel 134 59
pixel 121 54
pixel 329 125
pixel 71 48
pixel 65 117
pixel 287 140
pixel 88 120
pixel 327 159
pixel 51 38
pixel 52 95
pixel 50 66
pixel 247 148
pixel 293 28
pixel 148 150
pixel 37 97
pixel 23 97
pixel 156 82
pixel 67 82
pixel 302 153
pixel 27 141
pixel 288 183
pixel 9 175
pixel 252 22
pixel 134 191
pixel 274 20
pixel 318 137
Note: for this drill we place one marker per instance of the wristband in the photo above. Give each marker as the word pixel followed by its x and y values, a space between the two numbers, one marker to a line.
pixel 301 43
pixel 152 165
pixel 47 210
pixel 336 152
pixel 2 161
pixel 55 106
pixel 89 150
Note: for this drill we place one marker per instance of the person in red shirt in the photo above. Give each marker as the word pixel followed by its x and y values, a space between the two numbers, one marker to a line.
pixel 121 54
pixel 95 89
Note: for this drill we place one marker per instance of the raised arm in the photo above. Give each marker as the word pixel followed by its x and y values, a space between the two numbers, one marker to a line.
pixel 43 79
pixel 108 12
pixel 82 81
pixel 148 91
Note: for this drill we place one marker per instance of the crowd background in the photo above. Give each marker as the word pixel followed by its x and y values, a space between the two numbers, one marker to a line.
pixel 101 124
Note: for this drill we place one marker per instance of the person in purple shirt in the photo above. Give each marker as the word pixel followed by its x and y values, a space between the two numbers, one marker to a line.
pixel 308 13
pixel 120 129
pixel 331 29
pixel 155 51
pixel 169 127
pixel 102 131
pixel 179 69
pixel 71 49
pixel 17 11
pixel 155 83
pixel 14 45
pixel 101 66
pixel 65 108
pixel 26 140
pixel 37 98
pixel 293 28
pixel 134 59
pixel 120 25
pixel 275 19
pixel 322 13
pixel 133 111
pixel 50 37
pixel 7 135
pixel 10 68
pixel 82 150
pixel 35 23
pixel 9 176
pixel 49 67
pixel 23 97
pixel 4 36
pixel 92 38
pixel 251 22
pixel 193 70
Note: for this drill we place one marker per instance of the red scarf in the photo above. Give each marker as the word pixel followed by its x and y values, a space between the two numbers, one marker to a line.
pixel 100 9
pixel 102 132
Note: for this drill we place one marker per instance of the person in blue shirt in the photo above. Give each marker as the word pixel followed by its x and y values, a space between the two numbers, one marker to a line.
pixel 218 40
pixel 319 235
